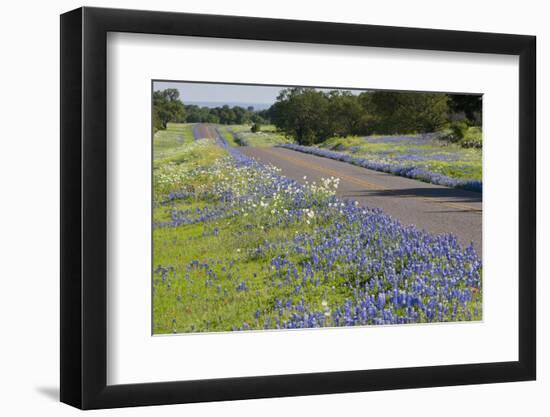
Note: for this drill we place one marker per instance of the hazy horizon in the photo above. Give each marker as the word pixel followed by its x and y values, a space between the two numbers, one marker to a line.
pixel 220 94
pixel 213 104
pixel 217 95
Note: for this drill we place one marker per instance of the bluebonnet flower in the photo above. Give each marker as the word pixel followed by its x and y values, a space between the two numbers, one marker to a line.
pixel 389 273
pixel 408 171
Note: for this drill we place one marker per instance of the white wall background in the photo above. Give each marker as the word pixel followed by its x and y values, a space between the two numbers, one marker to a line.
pixel 29 225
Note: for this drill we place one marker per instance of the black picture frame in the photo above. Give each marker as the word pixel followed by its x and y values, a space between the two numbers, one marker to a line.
pixel 84 207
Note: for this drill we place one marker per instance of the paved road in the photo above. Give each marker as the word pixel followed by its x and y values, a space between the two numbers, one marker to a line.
pixel 430 207
pixel 203 131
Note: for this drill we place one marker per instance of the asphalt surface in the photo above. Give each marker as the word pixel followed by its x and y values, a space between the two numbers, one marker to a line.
pixel 430 207
pixel 434 208
pixel 204 131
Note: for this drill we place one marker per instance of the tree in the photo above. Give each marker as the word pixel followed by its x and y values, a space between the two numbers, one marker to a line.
pixel 241 115
pixel 347 115
pixel 302 114
pixel 167 107
pixel 409 112
pixel 469 104
pixel 212 118
pixel 193 113
pixel 225 115
pixel 257 119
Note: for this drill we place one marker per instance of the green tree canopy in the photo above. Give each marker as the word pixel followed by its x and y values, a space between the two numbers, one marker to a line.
pixel 302 114
pixel 408 112
pixel 167 107
pixel 469 104
pixel 311 116
pixel 347 115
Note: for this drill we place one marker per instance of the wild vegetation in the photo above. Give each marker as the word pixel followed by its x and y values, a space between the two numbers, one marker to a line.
pixel 225 115
pixel 424 157
pixel 254 135
pixel 174 134
pixel 410 134
pixel 312 116
pixel 237 246
pixel 309 116
pixel 169 107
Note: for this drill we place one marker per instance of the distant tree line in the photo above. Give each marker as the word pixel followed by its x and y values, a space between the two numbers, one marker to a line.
pixel 168 107
pixel 225 115
pixel 311 116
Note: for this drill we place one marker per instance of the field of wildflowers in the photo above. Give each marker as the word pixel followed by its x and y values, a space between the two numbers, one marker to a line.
pixel 423 157
pixel 237 246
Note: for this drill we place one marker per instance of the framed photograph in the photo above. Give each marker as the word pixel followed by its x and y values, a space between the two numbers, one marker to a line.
pixel 256 208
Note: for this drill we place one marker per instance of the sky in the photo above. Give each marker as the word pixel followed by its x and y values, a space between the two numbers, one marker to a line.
pixel 245 95
pixel 214 95
pixel 222 93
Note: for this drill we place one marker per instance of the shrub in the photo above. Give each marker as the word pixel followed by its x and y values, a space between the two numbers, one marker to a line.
pixel 458 130
pixel 473 138
pixel 256 127
pixel 464 135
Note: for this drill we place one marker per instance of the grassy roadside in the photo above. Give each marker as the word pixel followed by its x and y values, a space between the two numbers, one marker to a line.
pixel 237 247
pixel 422 151
pixel 168 142
pixel 241 135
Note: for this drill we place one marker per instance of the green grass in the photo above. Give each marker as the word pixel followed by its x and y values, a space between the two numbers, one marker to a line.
pixel 450 159
pixel 187 304
pixel 473 138
pixel 175 154
pixel 192 299
pixel 165 142
pixel 219 307
pixel 227 135
pixel 267 136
